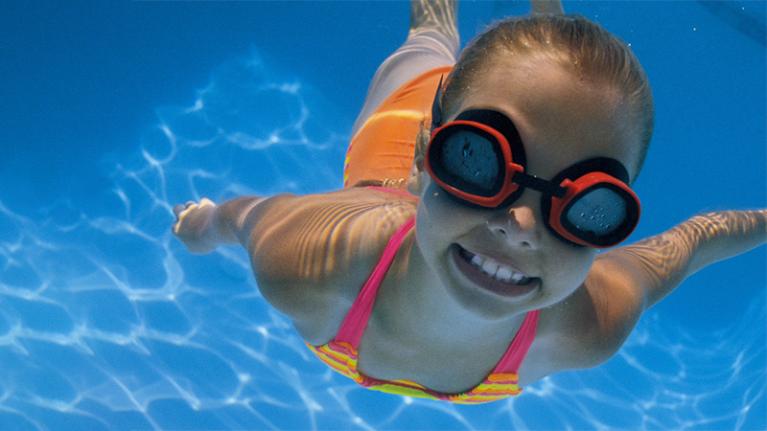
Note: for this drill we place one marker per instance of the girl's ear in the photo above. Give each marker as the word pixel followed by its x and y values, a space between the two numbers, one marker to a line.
pixel 416 180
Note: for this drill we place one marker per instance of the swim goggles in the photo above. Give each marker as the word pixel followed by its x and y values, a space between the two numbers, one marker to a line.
pixel 479 159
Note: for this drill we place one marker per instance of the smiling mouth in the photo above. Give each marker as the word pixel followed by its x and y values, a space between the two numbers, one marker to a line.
pixel 491 275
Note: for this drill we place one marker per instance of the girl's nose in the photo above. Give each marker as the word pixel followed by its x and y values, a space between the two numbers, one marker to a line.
pixel 517 226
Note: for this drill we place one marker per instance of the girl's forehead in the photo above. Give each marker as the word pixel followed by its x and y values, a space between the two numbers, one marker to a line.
pixel 557 111
pixel 542 85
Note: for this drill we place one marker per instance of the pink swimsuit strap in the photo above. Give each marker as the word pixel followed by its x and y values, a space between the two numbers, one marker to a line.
pixel 515 354
pixel 356 320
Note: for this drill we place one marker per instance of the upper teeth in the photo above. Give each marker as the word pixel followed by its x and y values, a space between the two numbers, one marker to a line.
pixel 497 270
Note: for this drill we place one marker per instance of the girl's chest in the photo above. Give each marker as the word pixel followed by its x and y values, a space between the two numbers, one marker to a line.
pixel 386 351
pixel 449 370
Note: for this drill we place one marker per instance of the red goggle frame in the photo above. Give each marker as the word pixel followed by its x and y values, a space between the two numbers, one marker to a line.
pixel 559 194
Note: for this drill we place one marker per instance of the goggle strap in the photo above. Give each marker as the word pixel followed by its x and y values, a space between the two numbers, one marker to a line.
pixel 436 107
pixel 544 186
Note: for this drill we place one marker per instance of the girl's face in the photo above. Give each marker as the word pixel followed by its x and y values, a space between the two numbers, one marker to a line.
pixel 561 120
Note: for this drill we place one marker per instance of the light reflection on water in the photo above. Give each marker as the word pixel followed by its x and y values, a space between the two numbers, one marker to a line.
pixel 106 322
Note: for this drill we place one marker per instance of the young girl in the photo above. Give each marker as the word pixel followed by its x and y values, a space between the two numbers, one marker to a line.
pixel 460 260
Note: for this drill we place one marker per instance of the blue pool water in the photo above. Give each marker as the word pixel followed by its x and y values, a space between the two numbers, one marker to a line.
pixel 114 112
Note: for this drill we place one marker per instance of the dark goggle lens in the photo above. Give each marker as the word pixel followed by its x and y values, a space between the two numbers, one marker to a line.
pixel 599 212
pixel 469 161
pixel 603 215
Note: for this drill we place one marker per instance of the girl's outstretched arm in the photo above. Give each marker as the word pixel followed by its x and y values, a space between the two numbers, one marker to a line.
pixel 626 281
pixel 657 265
pixel 307 252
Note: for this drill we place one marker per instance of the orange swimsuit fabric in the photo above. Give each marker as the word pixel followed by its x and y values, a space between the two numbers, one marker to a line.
pixel 384 146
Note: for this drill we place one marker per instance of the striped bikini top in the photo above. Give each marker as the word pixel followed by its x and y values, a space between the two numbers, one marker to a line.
pixel 341 353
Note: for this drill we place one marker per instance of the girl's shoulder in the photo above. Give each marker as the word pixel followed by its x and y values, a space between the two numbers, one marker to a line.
pixel 311 254
pixel 584 330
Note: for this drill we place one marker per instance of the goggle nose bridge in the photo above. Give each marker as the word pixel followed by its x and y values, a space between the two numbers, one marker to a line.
pixel 546 187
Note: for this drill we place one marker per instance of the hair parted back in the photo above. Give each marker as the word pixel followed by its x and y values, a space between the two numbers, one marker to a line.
pixel 576 43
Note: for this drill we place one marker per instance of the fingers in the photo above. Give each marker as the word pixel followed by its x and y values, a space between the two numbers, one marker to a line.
pixel 181 207
pixel 181 211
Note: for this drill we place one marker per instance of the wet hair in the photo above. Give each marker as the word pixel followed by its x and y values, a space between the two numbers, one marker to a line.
pixel 574 42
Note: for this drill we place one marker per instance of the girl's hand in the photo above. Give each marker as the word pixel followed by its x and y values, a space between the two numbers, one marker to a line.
pixel 194 223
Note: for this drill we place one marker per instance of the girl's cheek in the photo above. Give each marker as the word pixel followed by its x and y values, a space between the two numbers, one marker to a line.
pixel 440 221
pixel 435 209
pixel 570 266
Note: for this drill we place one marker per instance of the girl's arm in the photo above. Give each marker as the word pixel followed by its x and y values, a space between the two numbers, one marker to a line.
pixel 308 253
pixel 626 281
pixel 657 265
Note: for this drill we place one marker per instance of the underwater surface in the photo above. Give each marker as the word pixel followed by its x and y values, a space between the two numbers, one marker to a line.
pixel 114 112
